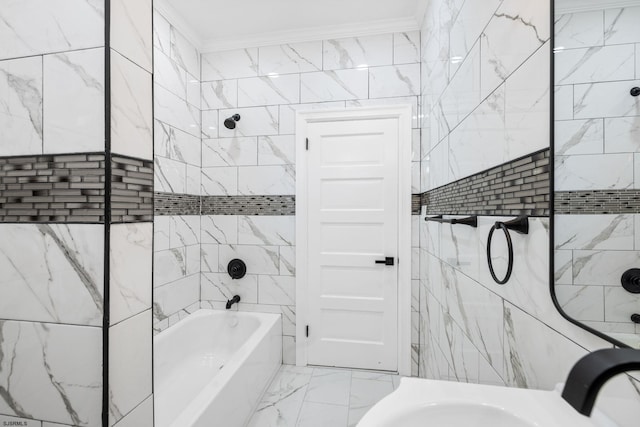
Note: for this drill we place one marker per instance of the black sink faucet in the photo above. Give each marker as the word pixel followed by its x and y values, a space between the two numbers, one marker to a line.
pixel 591 373
pixel 234 300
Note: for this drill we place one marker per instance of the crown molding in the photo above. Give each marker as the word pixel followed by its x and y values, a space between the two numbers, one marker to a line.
pixel 312 34
pixel 421 10
pixel 177 20
pixel 575 6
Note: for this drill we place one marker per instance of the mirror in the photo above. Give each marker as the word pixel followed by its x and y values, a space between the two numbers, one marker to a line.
pixel 597 166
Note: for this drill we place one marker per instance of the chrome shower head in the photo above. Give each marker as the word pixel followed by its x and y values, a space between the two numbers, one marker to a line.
pixel 230 123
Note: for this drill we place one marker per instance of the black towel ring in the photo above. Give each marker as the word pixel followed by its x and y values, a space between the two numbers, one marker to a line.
pixel 509 246
pixel 520 225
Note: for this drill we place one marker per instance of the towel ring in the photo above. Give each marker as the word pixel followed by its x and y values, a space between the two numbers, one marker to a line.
pixel 504 228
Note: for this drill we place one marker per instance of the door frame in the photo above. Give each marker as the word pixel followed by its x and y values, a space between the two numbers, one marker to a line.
pixel 404 114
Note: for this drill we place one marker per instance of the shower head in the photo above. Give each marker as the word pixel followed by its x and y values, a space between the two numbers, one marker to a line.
pixel 230 123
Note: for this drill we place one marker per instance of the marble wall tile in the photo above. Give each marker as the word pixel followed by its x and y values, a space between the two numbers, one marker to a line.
pixel 174 144
pixel 269 90
pixel 169 74
pixel 73 108
pixel 169 265
pixel 131 269
pixel 161 232
pixel 266 180
pixel 528 29
pixel 595 64
pixel 21 106
pixel 175 296
pixel 583 303
pixel 287 261
pixel 169 176
pixel 131 109
pixel 357 52
pixel 131 31
pixel 221 229
pixel 602 232
pixel 208 258
pixel 161 33
pixel 184 230
pixel 218 181
pixel 622 135
pixel 219 94
pixel 230 64
pixel 266 230
pixel 290 58
pixel 563 103
pixel 584 29
pixel 255 121
pixel 334 85
pixel 184 53
pixel 576 172
pixel 619 305
pixel 620 25
pixel 276 150
pixel 221 287
pixel 55 271
pixel 210 123
pixel 263 259
pixel 238 151
pixel 563 263
pixel 396 80
pixel 602 268
pixel 141 416
pixel 527 365
pixel 406 47
pixel 579 137
pixel 56 384
pixel 608 99
pixel 131 365
pixel 176 112
pixel 35 27
pixel 279 290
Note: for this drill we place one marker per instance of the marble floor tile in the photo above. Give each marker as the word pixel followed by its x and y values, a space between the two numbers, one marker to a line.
pixel 329 386
pixel 322 415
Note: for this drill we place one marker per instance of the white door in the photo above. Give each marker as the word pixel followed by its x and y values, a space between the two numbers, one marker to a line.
pixel 352 191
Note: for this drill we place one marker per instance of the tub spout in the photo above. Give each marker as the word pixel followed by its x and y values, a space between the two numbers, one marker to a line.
pixel 592 371
pixel 234 300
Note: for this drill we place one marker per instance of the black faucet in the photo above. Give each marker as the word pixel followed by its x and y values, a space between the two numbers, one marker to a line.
pixel 591 373
pixel 234 300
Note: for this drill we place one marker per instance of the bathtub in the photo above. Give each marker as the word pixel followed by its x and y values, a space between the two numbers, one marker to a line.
pixel 212 368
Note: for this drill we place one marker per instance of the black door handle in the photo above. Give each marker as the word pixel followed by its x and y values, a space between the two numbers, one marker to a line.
pixel 387 261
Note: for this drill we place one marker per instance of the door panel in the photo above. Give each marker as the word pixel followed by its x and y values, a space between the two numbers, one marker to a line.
pixel 352 222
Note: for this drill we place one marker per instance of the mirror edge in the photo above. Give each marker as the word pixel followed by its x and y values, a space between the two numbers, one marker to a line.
pixel 552 157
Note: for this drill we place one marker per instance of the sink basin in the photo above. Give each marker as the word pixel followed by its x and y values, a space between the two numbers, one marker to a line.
pixel 418 402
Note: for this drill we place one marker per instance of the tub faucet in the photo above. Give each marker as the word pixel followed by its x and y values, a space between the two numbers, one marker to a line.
pixel 591 373
pixel 234 300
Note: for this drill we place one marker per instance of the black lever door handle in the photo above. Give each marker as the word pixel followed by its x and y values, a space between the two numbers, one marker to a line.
pixel 387 261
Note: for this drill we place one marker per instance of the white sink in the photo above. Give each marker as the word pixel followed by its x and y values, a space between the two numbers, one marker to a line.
pixel 418 403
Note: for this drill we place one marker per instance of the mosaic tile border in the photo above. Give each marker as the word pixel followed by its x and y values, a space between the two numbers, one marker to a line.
pixel 70 188
pixel 518 187
pixel 597 202
pixel 185 204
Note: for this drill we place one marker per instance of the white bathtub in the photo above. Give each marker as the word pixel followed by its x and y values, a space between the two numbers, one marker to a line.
pixel 212 367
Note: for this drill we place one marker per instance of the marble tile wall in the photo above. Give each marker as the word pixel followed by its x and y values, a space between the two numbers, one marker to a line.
pixel 485 100
pixel 597 145
pixel 52 97
pixel 131 244
pixel 266 86
pixel 177 165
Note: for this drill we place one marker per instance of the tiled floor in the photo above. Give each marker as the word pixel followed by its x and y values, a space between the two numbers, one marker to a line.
pixel 321 397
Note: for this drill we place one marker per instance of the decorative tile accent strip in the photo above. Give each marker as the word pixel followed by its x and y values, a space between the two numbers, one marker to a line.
pixel 518 187
pixel 416 203
pixel 52 188
pixel 594 202
pixel 64 188
pixel 249 205
pixel 131 189
pixel 176 204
